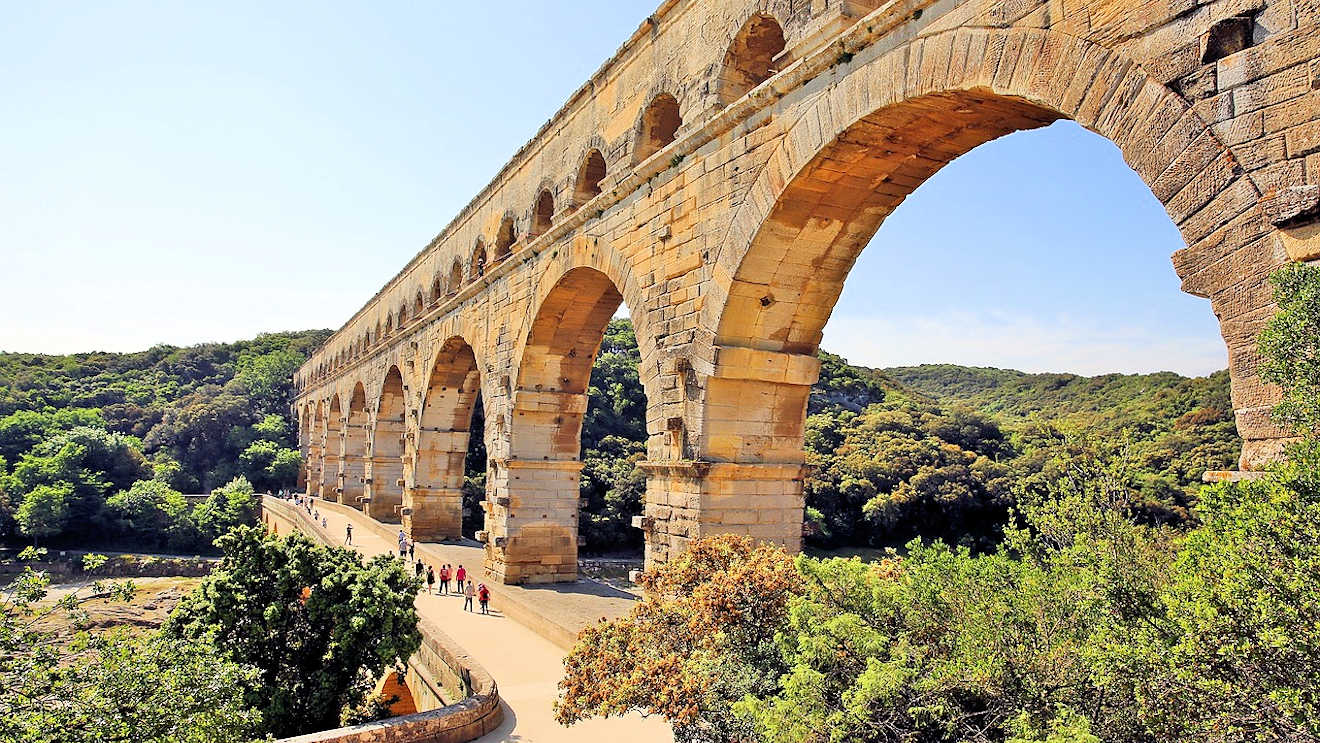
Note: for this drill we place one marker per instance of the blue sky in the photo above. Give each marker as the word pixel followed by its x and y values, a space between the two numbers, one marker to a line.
pixel 188 172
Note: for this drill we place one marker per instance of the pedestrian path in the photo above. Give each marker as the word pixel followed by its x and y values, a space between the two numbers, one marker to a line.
pixel 524 664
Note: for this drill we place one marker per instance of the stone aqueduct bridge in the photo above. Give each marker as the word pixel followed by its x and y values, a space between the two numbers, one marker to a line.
pixel 719 175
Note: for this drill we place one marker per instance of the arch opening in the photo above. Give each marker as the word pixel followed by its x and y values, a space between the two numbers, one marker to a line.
pixel 787 282
pixel 434 488
pixel 752 57
pixel 544 213
pixel 478 265
pixel 455 277
pixel 334 450
pixel 590 176
pixel 384 492
pixel 505 237
pixel 353 465
pixel 659 126
pixel 533 517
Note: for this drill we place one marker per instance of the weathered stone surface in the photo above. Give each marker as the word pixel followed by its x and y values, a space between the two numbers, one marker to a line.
pixel 720 175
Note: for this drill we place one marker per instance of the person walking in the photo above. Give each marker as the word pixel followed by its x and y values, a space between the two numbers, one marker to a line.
pixel 469 591
pixel 483 595
pixel 324 524
pixel 444 579
pixel 412 549
pixel 403 544
pixel 460 575
pixel 417 570
pixel 430 579
pixel 348 533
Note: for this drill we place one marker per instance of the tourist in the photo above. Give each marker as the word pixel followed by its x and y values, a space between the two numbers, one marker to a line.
pixel 324 524
pixel 417 570
pixel 348 533
pixel 459 576
pixel 444 579
pixel 403 544
pixel 469 591
pixel 483 595
pixel 412 550
pixel 430 579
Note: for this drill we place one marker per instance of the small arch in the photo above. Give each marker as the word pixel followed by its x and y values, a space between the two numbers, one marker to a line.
pixel 455 277
pixel 658 128
pixel 403 314
pixel 589 177
pixel 750 60
pixel 437 289
pixel 419 304
pixel 544 213
pixel 505 238
pixel 389 324
pixel 478 261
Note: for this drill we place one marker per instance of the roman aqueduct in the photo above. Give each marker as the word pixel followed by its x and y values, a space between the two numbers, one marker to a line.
pixel 719 175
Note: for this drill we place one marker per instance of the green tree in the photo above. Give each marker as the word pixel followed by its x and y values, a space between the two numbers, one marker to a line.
pixel 1239 654
pixel 270 466
pixel 152 512
pixel 1290 344
pixel 265 379
pixel 235 504
pixel 328 625
pixel 44 511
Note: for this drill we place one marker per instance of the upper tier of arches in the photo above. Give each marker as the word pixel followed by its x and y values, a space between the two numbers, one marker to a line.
pixel 761 41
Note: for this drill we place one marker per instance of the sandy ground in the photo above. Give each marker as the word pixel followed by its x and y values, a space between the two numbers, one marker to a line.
pixel 526 666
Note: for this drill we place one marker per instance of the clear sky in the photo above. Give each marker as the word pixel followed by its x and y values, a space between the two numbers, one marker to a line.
pixel 189 172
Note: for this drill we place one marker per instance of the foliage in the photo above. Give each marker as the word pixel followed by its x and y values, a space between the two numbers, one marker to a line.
pixel 1241 655
pixel 190 418
pixel 612 485
pixel 898 470
pixel 108 688
pixel 701 638
pixel 234 505
pixel 152 510
pixel 329 624
pixel 44 511
pixel 1291 345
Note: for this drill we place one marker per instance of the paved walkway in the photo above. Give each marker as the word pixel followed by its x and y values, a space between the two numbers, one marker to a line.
pixel 525 665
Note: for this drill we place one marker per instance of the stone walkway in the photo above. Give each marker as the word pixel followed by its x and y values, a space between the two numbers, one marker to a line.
pixel 525 664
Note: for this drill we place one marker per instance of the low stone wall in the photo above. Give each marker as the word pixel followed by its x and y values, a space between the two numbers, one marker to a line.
pixel 439 670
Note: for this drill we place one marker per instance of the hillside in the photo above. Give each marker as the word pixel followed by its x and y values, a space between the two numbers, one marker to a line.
pixel 78 431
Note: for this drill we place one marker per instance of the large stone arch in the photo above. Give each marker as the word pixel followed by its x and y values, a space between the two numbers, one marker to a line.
pixel 334 449
pixel 532 520
pixel 353 459
pixel 855 152
pixel 433 483
pixel 384 476
pixel 315 461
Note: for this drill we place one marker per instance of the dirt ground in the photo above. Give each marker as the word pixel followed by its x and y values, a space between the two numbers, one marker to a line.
pixel 153 600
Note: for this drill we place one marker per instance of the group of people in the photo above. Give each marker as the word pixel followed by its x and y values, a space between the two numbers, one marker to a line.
pixel 468 589
pixel 305 502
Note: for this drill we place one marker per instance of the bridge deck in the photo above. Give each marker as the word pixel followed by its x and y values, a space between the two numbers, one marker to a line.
pixel 518 654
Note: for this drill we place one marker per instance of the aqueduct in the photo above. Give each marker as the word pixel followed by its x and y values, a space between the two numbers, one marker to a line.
pixel 719 175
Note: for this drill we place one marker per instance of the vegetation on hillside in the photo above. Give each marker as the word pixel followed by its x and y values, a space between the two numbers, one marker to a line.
pixel 81 435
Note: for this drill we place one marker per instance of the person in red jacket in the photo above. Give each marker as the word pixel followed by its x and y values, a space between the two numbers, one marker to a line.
pixel 459 576
pixel 483 595
pixel 444 579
